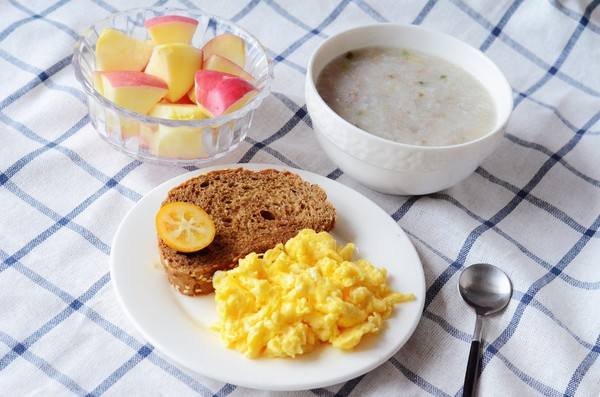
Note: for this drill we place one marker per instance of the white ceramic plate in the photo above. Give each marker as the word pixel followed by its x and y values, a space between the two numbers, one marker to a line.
pixel 178 326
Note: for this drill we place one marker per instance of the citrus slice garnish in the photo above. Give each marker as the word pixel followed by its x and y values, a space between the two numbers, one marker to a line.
pixel 185 227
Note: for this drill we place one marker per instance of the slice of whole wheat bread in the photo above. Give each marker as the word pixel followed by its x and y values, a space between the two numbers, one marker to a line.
pixel 252 211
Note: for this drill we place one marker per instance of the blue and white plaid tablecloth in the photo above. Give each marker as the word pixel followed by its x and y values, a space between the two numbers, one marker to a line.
pixel 533 207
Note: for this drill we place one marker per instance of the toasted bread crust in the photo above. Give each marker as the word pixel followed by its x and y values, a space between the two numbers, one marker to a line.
pixel 252 211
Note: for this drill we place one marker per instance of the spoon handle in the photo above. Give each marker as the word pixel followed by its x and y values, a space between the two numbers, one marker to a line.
pixel 472 370
pixel 473 363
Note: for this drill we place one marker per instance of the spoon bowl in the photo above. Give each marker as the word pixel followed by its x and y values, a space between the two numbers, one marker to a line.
pixel 485 288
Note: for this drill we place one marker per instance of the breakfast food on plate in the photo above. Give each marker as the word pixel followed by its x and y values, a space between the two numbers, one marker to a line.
pixel 171 29
pixel 260 241
pixel 252 212
pixel 184 227
pixel 407 96
pixel 294 297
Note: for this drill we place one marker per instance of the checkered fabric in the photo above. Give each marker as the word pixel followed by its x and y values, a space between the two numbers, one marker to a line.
pixel 533 207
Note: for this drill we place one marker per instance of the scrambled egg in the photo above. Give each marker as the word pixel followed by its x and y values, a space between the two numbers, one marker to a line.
pixel 297 295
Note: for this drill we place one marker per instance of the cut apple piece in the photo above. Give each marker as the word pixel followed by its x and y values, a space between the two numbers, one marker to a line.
pixel 176 142
pixel 240 103
pixel 171 29
pixel 129 128
pixel 206 80
pixel 122 126
pixel 191 95
pixel 219 64
pixel 135 91
pixel 174 111
pixel 185 100
pixel 147 135
pixel 115 51
pixel 176 64
pixel 228 46
pixel 221 92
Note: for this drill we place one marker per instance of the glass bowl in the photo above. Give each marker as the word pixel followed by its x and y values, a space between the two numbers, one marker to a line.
pixel 135 134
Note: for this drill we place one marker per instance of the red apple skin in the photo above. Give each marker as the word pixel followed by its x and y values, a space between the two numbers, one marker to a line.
pixel 225 94
pixel 218 91
pixel 206 81
pixel 168 19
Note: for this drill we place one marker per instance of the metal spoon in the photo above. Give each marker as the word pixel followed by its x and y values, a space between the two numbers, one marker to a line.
pixel 487 289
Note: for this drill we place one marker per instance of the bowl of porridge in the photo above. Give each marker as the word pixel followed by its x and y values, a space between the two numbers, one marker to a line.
pixel 403 109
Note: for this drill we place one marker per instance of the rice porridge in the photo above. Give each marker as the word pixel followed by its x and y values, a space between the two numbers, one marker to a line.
pixel 407 96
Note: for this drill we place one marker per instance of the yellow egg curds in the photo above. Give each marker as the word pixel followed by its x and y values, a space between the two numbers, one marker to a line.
pixel 297 295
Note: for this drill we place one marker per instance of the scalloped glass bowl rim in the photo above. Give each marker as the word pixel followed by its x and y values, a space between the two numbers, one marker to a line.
pixel 211 122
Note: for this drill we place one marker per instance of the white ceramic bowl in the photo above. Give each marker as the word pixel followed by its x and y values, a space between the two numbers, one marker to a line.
pixel 392 167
